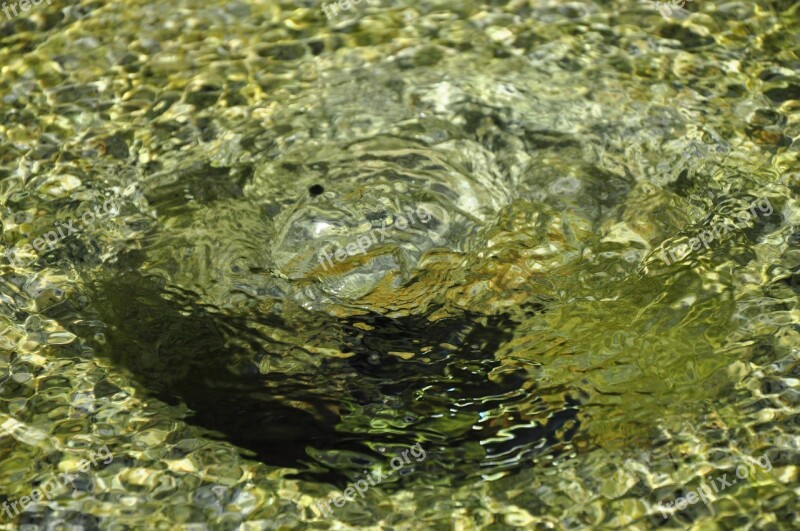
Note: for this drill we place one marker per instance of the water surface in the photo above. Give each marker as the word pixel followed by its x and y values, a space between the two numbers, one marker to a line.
pixel 544 279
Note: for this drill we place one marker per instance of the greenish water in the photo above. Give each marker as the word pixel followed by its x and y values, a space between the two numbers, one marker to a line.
pixel 515 265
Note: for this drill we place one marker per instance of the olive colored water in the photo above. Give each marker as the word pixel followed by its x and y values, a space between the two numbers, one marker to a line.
pixel 540 271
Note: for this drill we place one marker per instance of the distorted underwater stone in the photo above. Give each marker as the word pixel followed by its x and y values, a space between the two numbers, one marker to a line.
pixel 317 413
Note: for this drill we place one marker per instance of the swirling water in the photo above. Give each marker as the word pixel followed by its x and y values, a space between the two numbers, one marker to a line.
pixel 551 244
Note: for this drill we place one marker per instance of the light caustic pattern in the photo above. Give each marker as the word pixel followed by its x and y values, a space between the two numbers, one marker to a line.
pixel 528 333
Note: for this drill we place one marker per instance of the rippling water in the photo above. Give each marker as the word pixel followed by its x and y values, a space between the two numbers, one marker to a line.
pixel 550 248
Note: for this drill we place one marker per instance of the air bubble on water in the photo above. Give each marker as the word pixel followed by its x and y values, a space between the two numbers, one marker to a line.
pixel 21 377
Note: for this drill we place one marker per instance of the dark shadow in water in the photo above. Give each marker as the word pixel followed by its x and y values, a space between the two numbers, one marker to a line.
pixel 181 352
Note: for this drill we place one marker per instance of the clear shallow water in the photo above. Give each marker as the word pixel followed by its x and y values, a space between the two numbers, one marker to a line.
pixel 529 336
